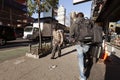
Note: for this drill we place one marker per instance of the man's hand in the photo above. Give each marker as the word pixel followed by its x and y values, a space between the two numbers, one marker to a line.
pixel 72 40
pixel 60 44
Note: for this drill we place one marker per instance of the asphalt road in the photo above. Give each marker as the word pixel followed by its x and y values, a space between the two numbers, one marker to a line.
pixel 15 48
pixel 15 43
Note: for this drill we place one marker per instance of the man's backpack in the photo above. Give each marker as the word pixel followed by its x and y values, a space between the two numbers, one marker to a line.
pixel 84 31
pixel 88 32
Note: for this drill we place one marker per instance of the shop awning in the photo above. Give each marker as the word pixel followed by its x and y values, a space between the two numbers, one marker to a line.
pixel 110 11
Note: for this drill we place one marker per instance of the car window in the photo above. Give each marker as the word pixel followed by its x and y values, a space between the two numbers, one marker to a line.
pixel 28 29
pixel 7 33
pixel 36 29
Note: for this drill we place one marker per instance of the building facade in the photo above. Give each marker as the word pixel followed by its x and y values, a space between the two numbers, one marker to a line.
pixel 14 13
pixel 61 13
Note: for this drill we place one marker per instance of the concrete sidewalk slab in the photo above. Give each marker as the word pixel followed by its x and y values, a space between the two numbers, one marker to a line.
pixel 25 68
pixel 63 68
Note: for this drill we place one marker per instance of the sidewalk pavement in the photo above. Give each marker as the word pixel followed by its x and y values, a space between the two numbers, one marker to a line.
pixel 25 68
pixel 63 68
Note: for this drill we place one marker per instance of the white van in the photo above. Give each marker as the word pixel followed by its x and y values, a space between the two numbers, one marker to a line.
pixel 32 32
pixel 27 30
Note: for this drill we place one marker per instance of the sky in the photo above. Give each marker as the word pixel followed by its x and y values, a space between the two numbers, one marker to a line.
pixel 68 5
pixel 82 7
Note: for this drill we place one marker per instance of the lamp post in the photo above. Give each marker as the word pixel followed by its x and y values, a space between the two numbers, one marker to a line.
pixel 39 11
pixel 40 42
pixel 51 22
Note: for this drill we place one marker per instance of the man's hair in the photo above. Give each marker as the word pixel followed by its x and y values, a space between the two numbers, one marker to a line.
pixel 80 14
pixel 55 26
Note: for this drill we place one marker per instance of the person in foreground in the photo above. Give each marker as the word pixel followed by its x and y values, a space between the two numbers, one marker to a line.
pixel 80 46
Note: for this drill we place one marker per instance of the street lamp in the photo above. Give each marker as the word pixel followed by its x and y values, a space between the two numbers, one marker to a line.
pixel 39 7
pixel 40 42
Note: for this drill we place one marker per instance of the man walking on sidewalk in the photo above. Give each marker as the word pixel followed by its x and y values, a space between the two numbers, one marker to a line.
pixel 57 41
pixel 80 46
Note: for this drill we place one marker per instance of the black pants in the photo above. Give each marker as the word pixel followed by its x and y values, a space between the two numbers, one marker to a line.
pixel 96 51
pixel 55 49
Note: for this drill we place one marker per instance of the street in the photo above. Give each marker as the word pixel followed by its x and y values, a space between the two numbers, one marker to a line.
pixel 16 43
pixel 42 17
pixel 63 68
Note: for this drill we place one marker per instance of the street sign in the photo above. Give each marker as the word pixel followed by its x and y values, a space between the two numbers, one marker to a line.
pixel 79 1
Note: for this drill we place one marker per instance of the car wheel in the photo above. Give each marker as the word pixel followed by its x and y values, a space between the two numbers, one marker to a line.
pixel 2 41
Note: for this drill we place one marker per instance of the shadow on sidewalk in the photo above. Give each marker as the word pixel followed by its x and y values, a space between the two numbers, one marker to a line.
pixel 112 68
pixel 73 50
pixel 48 53
pixel 68 52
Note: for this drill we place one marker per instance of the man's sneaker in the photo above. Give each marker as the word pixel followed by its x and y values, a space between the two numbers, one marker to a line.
pixel 52 58
pixel 59 55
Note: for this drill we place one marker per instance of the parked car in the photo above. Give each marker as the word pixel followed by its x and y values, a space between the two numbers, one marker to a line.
pixel 6 34
pixel 19 32
pixel 31 33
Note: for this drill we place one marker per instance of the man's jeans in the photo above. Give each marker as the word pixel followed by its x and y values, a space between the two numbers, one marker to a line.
pixel 55 49
pixel 81 49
